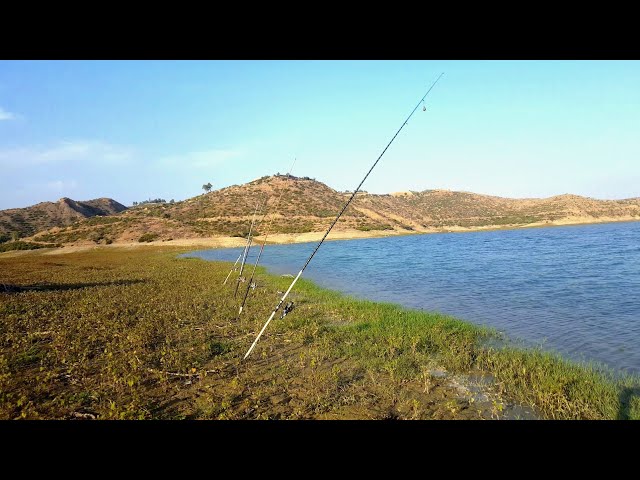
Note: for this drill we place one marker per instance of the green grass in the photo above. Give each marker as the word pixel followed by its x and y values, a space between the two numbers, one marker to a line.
pixel 399 340
pixel 148 237
pixel 140 333
pixel 20 245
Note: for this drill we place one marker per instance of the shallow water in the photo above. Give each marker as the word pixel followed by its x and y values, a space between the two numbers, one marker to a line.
pixel 574 290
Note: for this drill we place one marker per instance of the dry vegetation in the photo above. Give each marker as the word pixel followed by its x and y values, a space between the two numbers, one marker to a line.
pixel 310 206
pixel 140 333
pixel 27 221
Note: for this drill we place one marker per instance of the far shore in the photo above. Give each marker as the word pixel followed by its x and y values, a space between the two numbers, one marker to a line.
pixel 351 234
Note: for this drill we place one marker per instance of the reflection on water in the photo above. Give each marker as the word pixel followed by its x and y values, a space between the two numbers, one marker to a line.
pixel 574 289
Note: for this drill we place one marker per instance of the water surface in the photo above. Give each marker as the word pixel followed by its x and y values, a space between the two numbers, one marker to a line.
pixel 574 289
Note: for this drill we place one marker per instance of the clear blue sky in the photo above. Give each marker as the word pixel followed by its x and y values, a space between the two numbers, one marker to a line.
pixel 131 130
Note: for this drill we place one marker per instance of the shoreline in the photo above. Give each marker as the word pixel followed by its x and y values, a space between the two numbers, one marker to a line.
pixel 335 357
pixel 200 243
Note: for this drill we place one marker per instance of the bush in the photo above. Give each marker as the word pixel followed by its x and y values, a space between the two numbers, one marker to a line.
pixel 245 234
pixel 148 237
pixel 5 247
pixel 96 236
pixel 151 200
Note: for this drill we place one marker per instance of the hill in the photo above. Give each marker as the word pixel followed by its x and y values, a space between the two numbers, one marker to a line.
pixel 45 215
pixel 309 206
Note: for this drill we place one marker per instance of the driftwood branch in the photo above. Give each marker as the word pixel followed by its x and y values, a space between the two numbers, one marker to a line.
pixel 42 334
pixel 83 416
pixel 179 374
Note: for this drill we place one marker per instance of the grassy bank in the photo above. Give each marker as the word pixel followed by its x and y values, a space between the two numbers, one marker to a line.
pixel 140 333
pixel 19 245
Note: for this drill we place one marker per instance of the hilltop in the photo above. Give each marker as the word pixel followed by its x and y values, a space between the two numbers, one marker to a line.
pixel 45 215
pixel 307 208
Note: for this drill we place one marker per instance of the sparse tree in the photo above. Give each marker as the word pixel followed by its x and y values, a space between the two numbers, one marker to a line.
pixel 207 187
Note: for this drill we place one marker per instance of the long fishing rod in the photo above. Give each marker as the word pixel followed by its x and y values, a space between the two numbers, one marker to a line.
pixel 232 268
pixel 275 310
pixel 249 240
pixel 264 241
pixel 244 251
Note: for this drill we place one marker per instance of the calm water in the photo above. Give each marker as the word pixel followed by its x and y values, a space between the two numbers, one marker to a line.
pixel 574 289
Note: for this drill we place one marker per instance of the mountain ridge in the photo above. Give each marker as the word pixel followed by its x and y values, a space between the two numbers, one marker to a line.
pixel 309 206
pixel 61 213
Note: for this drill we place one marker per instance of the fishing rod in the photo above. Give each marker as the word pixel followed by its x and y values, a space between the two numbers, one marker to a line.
pixel 275 310
pixel 244 251
pixel 248 247
pixel 232 269
pixel 264 241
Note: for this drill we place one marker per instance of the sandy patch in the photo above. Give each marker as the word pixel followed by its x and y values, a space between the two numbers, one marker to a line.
pixel 285 238
pixel 334 235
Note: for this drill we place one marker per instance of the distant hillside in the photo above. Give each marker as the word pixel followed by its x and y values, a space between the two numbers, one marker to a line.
pixel 45 215
pixel 310 206
pixel 430 209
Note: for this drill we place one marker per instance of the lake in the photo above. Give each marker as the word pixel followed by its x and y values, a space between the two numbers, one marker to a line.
pixel 574 290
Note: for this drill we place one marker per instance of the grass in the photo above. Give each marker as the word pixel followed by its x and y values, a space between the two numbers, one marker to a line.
pixel 148 237
pixel 140 333
pixel 21 245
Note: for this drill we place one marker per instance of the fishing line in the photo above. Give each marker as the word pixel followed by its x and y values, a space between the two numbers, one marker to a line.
pixel 245 247
pixel 275 310
pixel 264 241
pixel 248 247
pixel 232 268
pixel 244 251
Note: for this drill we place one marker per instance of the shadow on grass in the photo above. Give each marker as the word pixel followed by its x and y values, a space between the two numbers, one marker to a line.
pixel 5 288
pixel 626 396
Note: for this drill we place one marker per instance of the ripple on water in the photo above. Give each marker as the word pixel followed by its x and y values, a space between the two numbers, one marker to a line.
pixel 574 290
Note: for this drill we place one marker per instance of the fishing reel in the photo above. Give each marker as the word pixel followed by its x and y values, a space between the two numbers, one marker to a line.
pixel 287 308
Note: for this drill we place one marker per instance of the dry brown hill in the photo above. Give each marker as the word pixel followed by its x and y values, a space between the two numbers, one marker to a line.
pixel 45 215
pixel 430 209
pixel 310 206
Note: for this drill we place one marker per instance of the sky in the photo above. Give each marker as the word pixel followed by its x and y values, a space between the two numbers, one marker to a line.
pixel 133 130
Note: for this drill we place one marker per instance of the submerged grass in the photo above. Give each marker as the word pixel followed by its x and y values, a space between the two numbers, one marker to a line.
pixel 117 333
